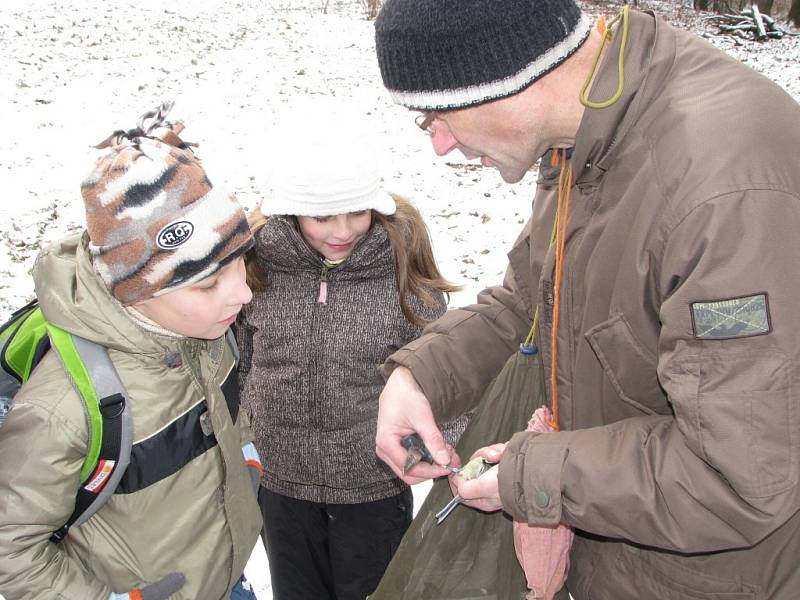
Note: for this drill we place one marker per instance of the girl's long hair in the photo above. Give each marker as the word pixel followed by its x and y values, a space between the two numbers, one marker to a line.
pixel 256 277
pixel 415 268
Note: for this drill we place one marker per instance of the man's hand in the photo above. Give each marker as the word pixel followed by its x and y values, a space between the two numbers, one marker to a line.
pixel 481 493
pixel 404 409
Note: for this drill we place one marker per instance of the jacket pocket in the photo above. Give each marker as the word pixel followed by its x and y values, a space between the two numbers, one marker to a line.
pixel 738 411
pixel 628 365
pixel 670 577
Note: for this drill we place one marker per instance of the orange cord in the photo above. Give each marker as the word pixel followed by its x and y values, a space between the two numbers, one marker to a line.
pixel 601 24
pixel 562 219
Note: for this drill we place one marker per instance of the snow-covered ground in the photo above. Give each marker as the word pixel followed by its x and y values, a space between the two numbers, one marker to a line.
pixel 75 71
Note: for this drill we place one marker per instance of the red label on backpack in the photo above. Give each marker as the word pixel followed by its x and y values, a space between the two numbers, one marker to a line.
pixel 100 476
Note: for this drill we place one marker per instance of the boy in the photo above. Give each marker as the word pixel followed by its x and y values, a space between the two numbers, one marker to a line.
pixel 156 278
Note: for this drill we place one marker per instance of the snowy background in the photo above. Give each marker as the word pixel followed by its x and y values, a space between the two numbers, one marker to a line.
pixel 75 71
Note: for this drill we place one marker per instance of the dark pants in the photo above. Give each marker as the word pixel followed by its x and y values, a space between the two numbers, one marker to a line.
pixel 330 551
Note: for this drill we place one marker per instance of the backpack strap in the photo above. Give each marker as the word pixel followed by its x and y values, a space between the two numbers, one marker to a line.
pixel 231 339
pixel 97 382
pixel 24 341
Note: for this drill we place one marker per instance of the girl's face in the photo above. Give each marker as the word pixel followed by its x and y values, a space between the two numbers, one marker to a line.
pixel 204 310
pixel 334 237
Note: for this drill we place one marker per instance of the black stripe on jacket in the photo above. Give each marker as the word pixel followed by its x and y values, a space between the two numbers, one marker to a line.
pixel 167 452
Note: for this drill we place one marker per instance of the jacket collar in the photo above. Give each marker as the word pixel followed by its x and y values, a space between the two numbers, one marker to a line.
pixel 73 297
pixel 649 55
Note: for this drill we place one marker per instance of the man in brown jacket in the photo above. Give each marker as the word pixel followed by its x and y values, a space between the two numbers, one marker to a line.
pixel 677 339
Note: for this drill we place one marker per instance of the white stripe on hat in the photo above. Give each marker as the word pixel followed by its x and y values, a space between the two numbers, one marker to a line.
pixel 146 170
pixel 143 211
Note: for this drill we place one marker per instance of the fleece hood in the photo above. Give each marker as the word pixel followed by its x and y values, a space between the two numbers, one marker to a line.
pixel 73 297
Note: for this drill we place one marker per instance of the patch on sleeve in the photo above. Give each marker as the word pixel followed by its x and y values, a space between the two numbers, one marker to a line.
pixel 733 318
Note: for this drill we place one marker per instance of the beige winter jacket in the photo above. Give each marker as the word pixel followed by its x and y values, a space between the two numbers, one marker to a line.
pixel 679 340
pixel 186 503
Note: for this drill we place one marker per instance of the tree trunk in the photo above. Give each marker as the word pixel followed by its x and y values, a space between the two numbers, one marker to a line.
pixel 765 6
pixel 722 6
pixel 373 6
pixel 794 13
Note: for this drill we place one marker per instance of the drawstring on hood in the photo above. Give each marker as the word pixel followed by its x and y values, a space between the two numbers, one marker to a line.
pixel 607 31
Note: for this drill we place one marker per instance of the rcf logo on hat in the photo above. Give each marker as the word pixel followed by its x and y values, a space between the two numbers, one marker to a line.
pixel 173 235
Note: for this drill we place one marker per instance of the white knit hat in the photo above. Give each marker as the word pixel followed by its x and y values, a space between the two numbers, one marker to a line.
pixel 327 163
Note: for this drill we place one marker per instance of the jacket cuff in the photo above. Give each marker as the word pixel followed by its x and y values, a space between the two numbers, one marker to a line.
pixel 529 477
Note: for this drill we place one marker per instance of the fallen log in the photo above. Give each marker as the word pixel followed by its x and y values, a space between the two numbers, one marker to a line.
pixel 749 24
pixel 761 33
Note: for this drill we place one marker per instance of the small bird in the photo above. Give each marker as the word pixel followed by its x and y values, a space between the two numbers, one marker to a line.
pixel 475 468
pixel 472 470
pixel 417 452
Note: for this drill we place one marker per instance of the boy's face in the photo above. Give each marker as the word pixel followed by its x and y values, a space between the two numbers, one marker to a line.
pixel 204 310
pixel 335 236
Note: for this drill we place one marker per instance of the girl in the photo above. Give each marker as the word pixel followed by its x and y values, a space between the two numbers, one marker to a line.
pixel 343 275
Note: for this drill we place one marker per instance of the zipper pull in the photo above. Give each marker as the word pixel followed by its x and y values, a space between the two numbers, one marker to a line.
pixel 323 286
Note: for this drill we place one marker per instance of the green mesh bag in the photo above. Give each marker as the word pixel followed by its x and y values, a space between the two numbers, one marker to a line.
pixel 471 554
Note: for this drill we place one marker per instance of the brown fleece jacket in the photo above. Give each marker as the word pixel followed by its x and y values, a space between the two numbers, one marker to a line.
pixel 310 377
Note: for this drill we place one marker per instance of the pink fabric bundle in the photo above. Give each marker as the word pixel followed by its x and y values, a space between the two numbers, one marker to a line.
pixel 543 552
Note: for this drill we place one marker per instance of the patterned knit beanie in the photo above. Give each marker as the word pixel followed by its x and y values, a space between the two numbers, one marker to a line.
pixel 155 222
pixel 438 55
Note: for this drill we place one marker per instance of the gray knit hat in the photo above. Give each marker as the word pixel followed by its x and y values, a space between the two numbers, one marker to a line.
pixel 155 222
pixel 449 54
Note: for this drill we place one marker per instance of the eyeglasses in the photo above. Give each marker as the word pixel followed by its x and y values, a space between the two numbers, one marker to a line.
pixel 425 120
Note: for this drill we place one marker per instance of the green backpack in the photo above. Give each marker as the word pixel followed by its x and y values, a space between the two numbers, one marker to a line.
pixel 24 340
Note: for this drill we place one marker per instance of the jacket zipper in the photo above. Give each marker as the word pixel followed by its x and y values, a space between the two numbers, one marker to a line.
pixel 195 350
pixel 322 298
pixel 316 348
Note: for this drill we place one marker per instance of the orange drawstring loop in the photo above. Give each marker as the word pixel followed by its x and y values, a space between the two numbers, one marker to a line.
pixel 601 24
pixel 562 219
